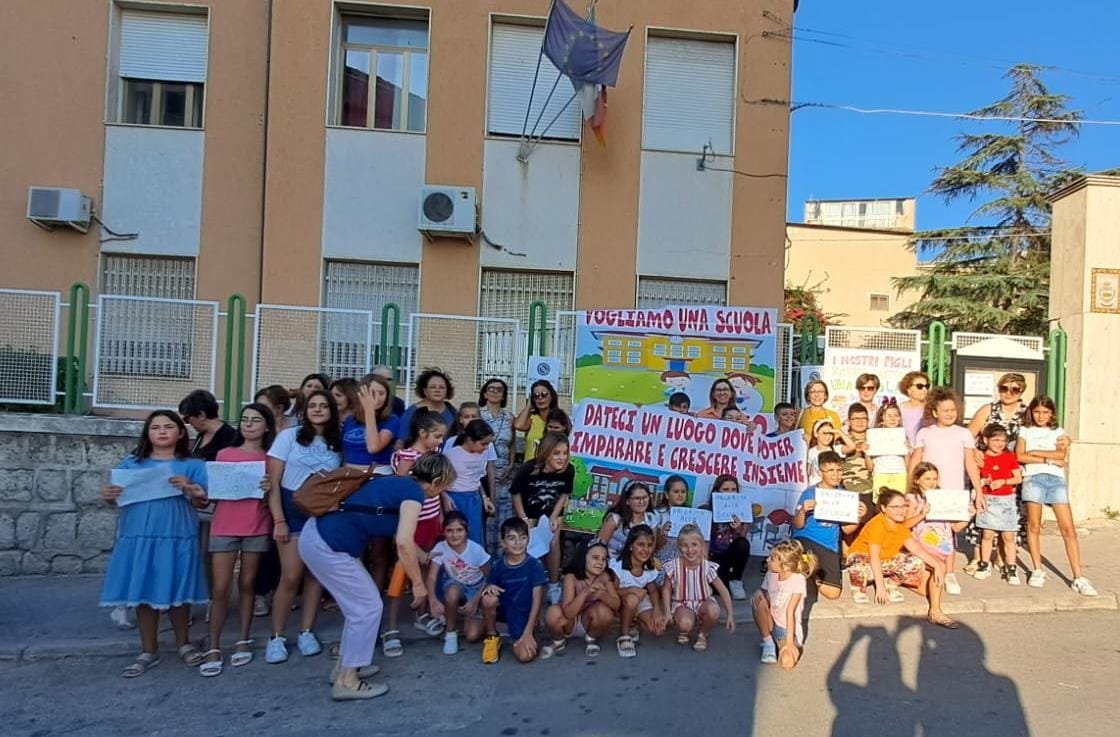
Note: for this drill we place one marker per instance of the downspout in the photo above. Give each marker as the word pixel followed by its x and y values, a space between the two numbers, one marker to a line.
pixel 264 156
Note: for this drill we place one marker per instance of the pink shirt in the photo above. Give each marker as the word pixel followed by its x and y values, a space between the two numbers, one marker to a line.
pixel 241 517
pixel 945 447
pixel 780 592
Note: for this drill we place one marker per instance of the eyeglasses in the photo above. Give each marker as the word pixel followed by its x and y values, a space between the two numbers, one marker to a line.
pixel 920 386
pixel 1005 389
pixel 541 395
pixel 639 498
pixel 252 420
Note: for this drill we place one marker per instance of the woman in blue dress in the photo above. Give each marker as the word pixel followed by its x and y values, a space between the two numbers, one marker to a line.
pixel 155 566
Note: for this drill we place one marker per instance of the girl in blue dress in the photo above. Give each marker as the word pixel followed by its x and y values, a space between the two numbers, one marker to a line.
pixel 156 566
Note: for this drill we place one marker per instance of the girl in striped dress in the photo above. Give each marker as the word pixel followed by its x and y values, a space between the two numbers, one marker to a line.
pixel 688 593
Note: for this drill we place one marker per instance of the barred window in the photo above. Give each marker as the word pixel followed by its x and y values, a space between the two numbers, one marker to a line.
pixel 508 294
pixel 657 292
pixel 364 285
pixel 147 276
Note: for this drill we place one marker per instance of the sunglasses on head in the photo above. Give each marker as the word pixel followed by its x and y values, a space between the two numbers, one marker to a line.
pixel 1010 389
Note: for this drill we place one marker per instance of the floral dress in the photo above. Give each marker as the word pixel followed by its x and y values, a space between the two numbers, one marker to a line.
pixel 501 423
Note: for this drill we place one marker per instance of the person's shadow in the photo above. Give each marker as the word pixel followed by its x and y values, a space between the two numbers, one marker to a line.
pixel 956 694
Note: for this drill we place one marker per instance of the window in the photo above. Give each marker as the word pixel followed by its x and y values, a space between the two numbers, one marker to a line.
pixel 660 350
pixel 634 343
pixel 738 364
pixel 383 73
pixel 656 292
pixel 879 302
pixel 358 285
pixel 514 50
pixel 689 95
pixel 150 338
pixel 633 357
pixel 719 362
pixel 693 351
pixel 509 293
pixel 739 349
pixel 614 356
pixel 614 341
pixel 162 64
pixel 676 351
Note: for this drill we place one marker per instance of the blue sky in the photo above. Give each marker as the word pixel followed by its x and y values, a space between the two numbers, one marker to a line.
pixel 963 45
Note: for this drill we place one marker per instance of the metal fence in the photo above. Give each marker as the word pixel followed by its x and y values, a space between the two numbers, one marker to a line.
pixel 291 342
pixel 470 350
pixel 29 342
pixel 783 372
pixel 150 353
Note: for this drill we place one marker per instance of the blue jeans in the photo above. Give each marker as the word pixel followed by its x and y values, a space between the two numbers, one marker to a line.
pixel 470 504
pixel 1045 488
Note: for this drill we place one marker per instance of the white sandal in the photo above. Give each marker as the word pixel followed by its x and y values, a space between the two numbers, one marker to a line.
pixel 242 657
pixel 144 662
pixel 211 668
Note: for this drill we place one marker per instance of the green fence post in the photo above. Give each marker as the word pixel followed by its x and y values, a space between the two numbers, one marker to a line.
pixel 935 353
pixel 1056 371
pixel 810 332
pixel 77 332
pixel 538 309
pixel 391 353
pixel 231 393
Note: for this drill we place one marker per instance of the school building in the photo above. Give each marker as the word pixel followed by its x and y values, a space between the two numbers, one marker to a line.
pixel 351 153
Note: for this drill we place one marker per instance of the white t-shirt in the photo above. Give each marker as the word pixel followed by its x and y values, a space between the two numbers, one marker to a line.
pixel 469 468
pixel 464 567
pixel 1041 438
pixel 491 454
pixel 780 593
pixel 302 461
pixel 627 580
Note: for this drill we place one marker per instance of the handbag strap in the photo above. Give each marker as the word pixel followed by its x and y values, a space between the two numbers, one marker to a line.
pixel 366 509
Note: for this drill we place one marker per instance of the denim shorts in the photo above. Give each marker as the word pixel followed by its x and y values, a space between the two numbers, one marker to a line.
pixel 468 592
pixel 1045 488
pixel 1002 513
pixel 293 514
pixel 779 633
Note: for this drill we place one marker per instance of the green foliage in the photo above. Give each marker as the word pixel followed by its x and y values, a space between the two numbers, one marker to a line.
pixel 995 277
pixel 592 359
pixel 19 362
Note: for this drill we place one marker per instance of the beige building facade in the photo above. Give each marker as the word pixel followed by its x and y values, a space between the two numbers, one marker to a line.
pixel 280 149
pixel 849 251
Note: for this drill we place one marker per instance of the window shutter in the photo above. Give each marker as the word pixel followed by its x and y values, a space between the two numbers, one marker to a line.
pixel 689 95
pixel 514 51
pixel 169 47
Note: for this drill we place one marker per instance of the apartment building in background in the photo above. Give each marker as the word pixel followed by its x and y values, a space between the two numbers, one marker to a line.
pixel 850 250
pixel 280 149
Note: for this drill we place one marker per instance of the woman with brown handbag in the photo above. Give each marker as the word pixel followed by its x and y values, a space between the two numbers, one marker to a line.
pixel 297 453
pixel 332 546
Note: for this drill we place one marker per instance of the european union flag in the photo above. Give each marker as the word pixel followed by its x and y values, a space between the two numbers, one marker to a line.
pixel 581 50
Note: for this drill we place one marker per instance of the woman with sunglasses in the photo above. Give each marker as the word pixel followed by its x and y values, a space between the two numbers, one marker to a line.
pixel 915 385
pixel 492 400
pixel 1009 412
pixel 533 417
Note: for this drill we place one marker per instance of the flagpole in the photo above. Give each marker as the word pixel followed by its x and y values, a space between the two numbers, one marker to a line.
pixel 533 89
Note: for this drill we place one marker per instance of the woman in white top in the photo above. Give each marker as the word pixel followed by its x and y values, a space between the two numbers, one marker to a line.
pixel 314 445
pixel 470 455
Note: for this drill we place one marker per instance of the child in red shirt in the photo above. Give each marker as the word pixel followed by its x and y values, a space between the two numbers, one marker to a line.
pixel 1000 474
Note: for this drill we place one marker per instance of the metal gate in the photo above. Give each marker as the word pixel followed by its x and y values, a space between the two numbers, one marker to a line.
pixel 149 353
pixel 470 350
pixel 290 342
pixel 29 346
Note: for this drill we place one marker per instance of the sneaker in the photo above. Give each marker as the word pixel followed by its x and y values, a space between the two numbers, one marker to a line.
pixel 769 652
pixel 119 616
pixel 952 585
pixel 738 593
pixel 450 643
pixel 308 644
pixel 1011 575
pixel 261 607
pixel 983 571
pixel 1037 579
pixel 277 650
pixel 555 592
pixel 1082 586
pixel 491 647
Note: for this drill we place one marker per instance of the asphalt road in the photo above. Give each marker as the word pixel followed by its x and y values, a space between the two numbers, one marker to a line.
pixel 1000 675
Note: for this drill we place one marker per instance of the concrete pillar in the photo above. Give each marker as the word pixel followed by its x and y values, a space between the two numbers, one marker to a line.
pixel 1086 246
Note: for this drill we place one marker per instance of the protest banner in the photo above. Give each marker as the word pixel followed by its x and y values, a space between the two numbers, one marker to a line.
pixel 143 484
pixel 727 506
pixel 836 505
pixel 948 505
pixel 843 365
pixel 230 481
pixel 681 516
pixel 628 363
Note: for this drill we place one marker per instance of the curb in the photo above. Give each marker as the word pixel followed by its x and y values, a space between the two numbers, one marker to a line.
pixel 913 607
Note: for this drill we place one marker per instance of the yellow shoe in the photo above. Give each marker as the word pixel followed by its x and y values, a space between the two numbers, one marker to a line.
pixel 491 646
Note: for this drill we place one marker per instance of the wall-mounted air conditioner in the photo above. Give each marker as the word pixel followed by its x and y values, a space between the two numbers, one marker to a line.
pixel 51 206
pixel 447 211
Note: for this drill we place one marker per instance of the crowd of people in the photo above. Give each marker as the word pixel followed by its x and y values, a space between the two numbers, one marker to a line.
pixel 455 499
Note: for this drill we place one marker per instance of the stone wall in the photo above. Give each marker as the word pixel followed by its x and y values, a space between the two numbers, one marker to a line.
pixel 52 468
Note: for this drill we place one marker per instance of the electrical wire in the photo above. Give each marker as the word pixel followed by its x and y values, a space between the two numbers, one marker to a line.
pixel 498 246
pixel 938 114
pixel 116 236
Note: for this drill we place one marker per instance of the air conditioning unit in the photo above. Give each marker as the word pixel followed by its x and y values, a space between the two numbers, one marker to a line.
pixel 447 211
pixel 51 206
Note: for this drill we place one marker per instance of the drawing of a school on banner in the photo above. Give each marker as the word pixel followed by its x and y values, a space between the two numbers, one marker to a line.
pixel 628 364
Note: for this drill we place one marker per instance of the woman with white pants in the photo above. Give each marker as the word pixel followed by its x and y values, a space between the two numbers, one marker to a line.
pixel 331 547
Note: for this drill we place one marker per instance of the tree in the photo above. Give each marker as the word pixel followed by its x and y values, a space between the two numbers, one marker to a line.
pixel 804 301
pixel 995 277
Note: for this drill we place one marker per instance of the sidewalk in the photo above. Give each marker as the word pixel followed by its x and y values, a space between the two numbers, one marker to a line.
pixel 53 617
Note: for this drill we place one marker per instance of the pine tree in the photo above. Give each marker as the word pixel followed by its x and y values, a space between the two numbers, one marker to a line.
pixel 995 277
